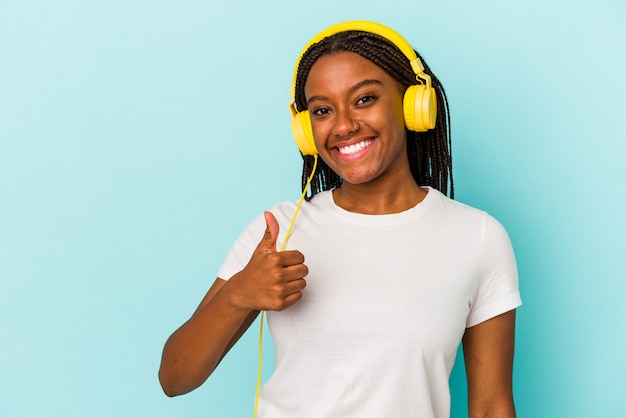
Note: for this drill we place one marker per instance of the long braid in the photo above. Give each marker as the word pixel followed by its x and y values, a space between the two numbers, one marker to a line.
pixel 429 152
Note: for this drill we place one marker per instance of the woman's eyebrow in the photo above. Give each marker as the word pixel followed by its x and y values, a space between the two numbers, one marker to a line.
pixel 364 83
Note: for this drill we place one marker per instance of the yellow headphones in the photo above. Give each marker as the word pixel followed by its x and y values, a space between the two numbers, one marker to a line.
pixel 420 100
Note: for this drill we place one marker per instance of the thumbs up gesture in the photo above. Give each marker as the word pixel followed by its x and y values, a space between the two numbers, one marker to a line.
pixel 271 280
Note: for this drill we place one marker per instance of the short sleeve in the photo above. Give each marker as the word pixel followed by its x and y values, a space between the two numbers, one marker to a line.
pixel 242 249
pixel 497 290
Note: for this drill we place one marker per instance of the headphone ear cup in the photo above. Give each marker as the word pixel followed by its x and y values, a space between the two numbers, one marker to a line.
pixel 303 133
pixel 420 108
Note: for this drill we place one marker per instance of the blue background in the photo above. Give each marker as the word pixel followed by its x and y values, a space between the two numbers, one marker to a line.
pixel 137 139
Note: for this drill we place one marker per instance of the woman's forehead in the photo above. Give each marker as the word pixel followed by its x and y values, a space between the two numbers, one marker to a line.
pixel 342 71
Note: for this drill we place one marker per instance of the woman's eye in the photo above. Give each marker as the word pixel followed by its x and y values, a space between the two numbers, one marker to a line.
pixel 365 99
pixel 320 111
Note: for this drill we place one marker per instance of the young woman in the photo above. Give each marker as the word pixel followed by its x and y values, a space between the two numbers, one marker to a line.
pixel 382 275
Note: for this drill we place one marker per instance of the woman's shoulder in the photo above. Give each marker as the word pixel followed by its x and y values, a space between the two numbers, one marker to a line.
pixel 319 200
pixel 455 209
pixel 445 202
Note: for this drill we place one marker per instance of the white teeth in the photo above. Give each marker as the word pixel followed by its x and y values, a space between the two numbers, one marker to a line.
pixel 351 149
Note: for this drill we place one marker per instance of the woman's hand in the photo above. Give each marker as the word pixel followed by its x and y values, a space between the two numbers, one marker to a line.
pixel 272 280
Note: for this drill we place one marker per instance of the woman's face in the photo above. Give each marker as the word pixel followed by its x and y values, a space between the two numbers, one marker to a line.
pixel 357 118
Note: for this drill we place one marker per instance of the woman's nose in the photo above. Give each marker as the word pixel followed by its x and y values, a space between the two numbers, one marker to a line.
pixel 345 124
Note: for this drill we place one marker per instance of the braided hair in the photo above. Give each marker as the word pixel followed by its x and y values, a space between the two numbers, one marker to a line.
pixel 429 152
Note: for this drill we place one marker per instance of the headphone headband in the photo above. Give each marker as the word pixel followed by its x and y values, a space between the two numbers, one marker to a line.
pixel 370 27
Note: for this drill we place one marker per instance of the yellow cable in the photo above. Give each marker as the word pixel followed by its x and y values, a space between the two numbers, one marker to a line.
pixel 258 383
pixel 282 246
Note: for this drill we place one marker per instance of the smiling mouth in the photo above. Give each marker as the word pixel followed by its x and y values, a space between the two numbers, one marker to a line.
pixel 354 148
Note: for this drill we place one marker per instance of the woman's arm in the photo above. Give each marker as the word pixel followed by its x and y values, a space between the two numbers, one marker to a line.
pixel 270 281
pixel 194 350
pixel 488 350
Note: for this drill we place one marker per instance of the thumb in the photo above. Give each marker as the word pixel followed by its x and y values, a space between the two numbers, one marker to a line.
pixel 271 232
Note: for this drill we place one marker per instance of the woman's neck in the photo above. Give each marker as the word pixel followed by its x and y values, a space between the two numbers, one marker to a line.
pixel 379 199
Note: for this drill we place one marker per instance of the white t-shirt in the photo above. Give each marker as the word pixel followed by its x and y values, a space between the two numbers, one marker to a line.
pixel 387 301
